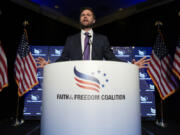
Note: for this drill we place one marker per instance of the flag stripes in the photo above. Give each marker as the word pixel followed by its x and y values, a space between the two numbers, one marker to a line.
pixel 160 69
pixel 3 69
pixel 25 67
pixel 176 63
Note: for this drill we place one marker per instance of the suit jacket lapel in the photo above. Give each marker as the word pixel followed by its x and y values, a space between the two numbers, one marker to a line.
pixel 78 45
pixel 94 45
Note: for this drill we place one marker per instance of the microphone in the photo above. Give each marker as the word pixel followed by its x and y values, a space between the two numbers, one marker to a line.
pixel 89 43
pixel 89 36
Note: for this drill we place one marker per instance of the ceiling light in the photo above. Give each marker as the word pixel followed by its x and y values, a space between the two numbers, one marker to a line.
pixel 56 6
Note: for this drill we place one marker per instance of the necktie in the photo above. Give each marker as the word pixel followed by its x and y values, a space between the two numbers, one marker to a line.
pixel 86 47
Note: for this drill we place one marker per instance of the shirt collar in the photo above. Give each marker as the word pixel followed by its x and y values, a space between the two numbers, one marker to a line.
pixel 90 32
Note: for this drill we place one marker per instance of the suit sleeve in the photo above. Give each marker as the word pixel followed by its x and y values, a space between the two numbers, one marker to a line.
pixel 65 53
pixel 108 53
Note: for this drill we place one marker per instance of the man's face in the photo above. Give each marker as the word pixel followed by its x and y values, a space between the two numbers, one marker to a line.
pixel 87 19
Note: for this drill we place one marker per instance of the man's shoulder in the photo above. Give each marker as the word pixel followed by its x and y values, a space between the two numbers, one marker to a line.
pixel 98 35
pixel 74 35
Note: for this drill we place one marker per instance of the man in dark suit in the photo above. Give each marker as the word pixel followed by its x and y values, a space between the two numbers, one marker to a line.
pixel 99 49
pixel 88 45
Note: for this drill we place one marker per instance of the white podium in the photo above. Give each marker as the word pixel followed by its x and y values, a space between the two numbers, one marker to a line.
pixel 91 98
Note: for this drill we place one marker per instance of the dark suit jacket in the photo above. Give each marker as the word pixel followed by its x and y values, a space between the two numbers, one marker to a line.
pixel 100 48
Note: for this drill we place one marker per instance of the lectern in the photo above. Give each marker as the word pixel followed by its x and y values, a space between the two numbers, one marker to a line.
pixel 91 98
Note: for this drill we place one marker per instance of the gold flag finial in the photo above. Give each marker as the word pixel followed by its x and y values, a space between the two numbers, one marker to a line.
pixel 25 23
pixel 158 23
pixel 179 13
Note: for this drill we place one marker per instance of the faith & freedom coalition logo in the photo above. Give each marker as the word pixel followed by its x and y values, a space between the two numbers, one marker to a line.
pixel 94 81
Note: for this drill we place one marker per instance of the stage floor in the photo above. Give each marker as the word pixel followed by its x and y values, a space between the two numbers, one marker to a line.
pixel 32 127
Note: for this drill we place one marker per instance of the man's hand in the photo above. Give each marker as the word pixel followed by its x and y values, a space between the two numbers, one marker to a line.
pixel 142 63
pixel 41 62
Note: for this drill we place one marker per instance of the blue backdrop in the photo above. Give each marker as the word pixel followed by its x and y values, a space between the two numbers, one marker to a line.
pixel 33 99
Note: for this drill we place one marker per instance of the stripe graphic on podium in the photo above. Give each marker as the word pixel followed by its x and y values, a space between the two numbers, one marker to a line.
pixel 86 81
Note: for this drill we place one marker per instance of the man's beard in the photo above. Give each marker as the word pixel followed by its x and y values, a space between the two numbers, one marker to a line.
pixel 86 26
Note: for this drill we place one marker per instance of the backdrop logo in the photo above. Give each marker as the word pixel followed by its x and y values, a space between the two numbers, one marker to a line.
pixel 95 81
pixel 141 53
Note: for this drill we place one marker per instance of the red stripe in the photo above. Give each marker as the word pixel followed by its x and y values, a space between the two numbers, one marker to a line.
pixel 3 77
pixel 4 66
pixel 178 51
pixel 176 64
pixel 166 79
pixel 155 82
pixel 34 68
pixel 31 76
pixel 3 57
pixel 24 82
pixel 20 73
pixel 169 73
pixel 1 85
pixel 17 73
pixel 158 83
pixel 159 76
pixel 24 75
pixel 33 62
pixel 21 85
pixel 176 69
pixel 3 61
pixel 177 61
pixel 85 87
pixel 154 58
pixel 26 71
pixel 161 79
pixel 84 82
pixel 168 62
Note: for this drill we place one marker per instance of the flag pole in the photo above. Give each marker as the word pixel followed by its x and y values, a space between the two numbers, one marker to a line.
pixel 160 123
pixel 17 122
pixel 17 113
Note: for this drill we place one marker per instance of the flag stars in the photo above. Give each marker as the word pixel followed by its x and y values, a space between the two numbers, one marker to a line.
pixel 23 48
pixel 160 47
pixel 102 76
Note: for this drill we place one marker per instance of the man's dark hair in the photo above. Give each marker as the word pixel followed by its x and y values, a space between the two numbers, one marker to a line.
pixel 88 8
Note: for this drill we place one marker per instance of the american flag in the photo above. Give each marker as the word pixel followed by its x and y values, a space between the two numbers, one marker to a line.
pixel 25 67
pixel 176 63
pixel 3 69
pixel 160 68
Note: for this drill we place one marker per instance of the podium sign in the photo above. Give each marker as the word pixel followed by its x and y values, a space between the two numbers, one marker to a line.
pixel 91 98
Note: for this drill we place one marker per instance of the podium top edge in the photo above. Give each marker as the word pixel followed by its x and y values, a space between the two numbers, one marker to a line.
pixel 91 62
